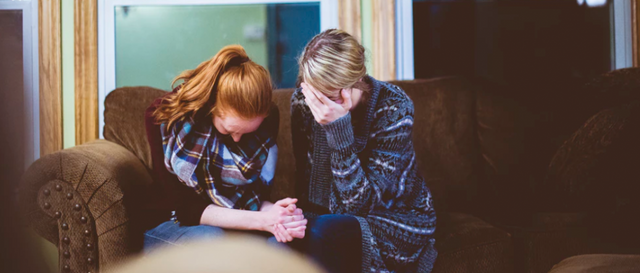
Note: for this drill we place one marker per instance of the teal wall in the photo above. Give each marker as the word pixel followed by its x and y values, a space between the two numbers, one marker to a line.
pixel 155 43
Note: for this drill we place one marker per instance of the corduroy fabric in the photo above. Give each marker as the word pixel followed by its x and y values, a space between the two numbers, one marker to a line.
pixel 107 179
pixel 467 244
pixel 124 119
pixel 598 263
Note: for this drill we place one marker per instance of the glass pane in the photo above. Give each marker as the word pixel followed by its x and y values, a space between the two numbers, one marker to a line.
pixel 155 43
pixel 12 96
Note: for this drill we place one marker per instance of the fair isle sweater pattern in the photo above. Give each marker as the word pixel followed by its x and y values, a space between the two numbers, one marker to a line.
pixel 369 171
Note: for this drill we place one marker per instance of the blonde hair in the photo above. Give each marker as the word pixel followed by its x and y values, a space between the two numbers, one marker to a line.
pixel 333 60
pixel 227 83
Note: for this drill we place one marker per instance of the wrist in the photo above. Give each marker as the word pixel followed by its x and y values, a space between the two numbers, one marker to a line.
pixel 262 221
pixel 340 132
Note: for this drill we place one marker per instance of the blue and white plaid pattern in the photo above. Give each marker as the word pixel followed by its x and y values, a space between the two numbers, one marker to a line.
pixel 213 164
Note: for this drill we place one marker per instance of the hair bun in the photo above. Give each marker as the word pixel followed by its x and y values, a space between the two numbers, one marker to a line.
pixel 237 60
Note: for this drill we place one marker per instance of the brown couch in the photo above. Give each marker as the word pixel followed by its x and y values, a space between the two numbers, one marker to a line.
pixel 481 153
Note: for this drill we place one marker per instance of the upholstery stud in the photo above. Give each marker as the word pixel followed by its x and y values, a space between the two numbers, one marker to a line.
pixel 46 192
pixel 66 240
pixel 67 254
pixel 87 232
pixel 77 207
pixel 89 260
pixel 57 215
pixel 65 226
pixel 47 205
pixel 58 187
pixel 69 196
pixel 66 267
pixel 83 219
pixel 89 246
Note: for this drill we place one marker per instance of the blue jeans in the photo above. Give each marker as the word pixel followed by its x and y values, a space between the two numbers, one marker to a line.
pixel 334 241
pixel 171 233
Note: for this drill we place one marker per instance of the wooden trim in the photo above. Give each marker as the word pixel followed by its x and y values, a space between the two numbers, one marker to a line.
pixel 50 76
pixel 635 10
pixel 384 39
pixel 350 18
pixel 86 70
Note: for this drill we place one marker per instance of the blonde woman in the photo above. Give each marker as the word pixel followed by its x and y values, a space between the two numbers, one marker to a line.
pixel 368 208
pixel 213 146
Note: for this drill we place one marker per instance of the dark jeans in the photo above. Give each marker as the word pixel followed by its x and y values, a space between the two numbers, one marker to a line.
pixel 334 241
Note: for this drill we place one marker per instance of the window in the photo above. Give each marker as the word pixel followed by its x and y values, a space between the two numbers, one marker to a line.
pixel 145 42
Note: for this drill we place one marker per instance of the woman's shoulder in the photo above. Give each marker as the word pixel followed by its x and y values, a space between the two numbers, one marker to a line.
pixel 391 98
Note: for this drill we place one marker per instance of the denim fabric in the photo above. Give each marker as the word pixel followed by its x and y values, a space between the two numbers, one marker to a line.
pixel 334 241
pixel 171 233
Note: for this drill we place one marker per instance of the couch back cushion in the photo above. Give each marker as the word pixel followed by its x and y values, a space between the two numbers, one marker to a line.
pixel 444 135
pixel 284 182
pixel 445 139
pixel 124 119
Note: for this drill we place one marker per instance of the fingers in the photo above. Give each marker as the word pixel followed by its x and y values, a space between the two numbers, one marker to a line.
pixel 295 224
pixel 312 98
pixel 312 93
pixel 297 212
pixel 298 232
pixel 286 202
pixel 346 96
pixel 277 234
pixel 291 218
pixel 284 234
pixel 291 208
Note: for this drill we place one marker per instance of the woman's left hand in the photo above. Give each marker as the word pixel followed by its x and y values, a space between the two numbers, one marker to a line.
pixel 323 109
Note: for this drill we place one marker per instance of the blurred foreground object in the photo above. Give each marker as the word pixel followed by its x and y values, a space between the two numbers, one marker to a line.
pixel 233 253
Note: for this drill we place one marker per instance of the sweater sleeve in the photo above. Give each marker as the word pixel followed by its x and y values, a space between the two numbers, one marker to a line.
pixel 360 184
pixel 187 204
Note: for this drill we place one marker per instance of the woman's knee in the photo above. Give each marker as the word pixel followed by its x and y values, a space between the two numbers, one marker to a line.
pixel 200 232
pixel 333 226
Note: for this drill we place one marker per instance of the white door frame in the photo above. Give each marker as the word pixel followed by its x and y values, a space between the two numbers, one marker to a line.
pixel 29 10
pixel 404 40
pixel 106 33
pixel 622 34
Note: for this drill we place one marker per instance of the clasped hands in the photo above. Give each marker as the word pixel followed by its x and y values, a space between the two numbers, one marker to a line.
pixel 285 221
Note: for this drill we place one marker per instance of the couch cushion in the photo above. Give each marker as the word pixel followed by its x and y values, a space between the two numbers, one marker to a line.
pixel 468 244
pixel 445 139
pixel 597 263
pixel 124 118
pixel 284 181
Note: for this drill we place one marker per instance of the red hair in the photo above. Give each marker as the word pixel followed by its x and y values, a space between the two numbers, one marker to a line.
pixel 228 83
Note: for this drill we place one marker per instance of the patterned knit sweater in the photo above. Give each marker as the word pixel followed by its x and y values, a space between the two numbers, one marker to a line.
pixel 366 167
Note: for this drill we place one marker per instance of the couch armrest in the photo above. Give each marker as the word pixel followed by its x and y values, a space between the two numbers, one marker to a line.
pixel 81 200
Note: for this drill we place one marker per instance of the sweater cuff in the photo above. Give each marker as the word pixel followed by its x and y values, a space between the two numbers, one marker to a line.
pixel 340 133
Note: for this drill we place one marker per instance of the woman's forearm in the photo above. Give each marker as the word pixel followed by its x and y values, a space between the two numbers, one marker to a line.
pixel 232 218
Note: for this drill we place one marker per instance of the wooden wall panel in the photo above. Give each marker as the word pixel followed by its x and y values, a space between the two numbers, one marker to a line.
pixel 350 18
pixel 384 39
pixel 50 76
pixel 86 70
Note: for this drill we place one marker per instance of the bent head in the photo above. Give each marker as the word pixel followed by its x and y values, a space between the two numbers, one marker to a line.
pixel 230 88
pixel 334 60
